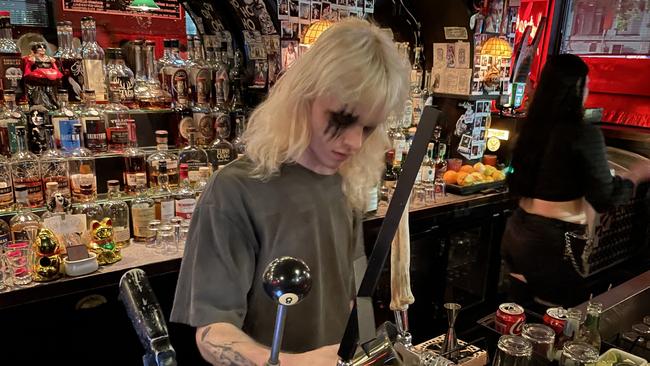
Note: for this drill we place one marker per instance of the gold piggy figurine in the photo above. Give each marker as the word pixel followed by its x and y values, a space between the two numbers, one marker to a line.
pixel 47 262
pixel 102 242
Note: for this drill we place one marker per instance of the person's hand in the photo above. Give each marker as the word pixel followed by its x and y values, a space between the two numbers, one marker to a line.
pixel 324 356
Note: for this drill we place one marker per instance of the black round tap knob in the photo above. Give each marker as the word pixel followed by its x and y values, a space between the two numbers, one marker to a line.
pixel 287 280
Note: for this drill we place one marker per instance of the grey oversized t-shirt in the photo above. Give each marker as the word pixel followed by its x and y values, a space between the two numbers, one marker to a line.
pixel 240 225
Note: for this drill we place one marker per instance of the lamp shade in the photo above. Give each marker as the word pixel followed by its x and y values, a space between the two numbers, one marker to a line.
pixel 144 5
pixel 497 47
pixel 315 30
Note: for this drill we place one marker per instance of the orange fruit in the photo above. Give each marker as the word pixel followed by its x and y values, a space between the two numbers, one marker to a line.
pixel 450 177
pixel 467 169
pixel 460 178
pixel 498 175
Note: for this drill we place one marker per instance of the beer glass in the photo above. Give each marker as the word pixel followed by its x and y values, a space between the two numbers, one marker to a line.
pixel 578 354
pixel 542 337
pixel 513 350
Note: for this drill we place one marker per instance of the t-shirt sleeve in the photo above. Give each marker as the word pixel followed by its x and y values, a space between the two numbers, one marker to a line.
pixel 603 191
pixel 219 261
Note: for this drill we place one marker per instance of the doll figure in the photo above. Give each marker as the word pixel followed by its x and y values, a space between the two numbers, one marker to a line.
pixel 41 76
pixel 102 242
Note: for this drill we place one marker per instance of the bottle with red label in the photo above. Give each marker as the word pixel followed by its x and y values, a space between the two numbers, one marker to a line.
pixel 510 318
pixel 185 197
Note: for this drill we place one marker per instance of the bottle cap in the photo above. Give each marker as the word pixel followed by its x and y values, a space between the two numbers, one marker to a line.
pixel 113 183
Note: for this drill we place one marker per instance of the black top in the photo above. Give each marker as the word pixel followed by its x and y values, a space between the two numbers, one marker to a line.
pixel 574 165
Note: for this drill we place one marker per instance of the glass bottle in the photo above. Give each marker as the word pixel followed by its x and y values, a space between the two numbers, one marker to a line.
pixel 388 182
pixel 70 62
pixel 118 211
pixel 11 73
pixel 204 175
pixel 237 113
pixel 221 151
pixel 54 166
pixel 203 121
pixel 25 170
pixel 162 154
pixel 142 211
pixel 119 78
pixel 428 173
pixel 5 236
pixel 6 186
pixel 62 119
pixel 238 142
pixel 589 332
pixel 163 196
pixel 185 196
pixel 440 149
pixel 416 70
pixel 164 61
pixel 117 120
pixel 176 78
pixel 221 114
pixel 221 75
pixel 87 205
pixel 153 98
pixel 81 166
pixel 10 117
pixel 200 75
pixel 25 220
pixel 93 59
pixel 185 120
pixel 571 329
pixel 93 124
pixel 135 161
pixel 193 156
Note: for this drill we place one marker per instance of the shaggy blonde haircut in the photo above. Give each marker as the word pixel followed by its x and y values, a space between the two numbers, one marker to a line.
pixel 352 60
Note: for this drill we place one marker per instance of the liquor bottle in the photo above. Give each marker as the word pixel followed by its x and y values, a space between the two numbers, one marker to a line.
pixel 93 59
pixel 87 205
pixel 54 166
pixel 10 117
pixel 400 147
pixel 5 235
pixel 162 154
pixel 221 151
pixel 25 170
pixel 93 124
pixel 193 156
pixel 388 182
pixel 190 62
pixel 204 175
pixel 238 142
pixel 222 72
pixel 236 69
pixel 416 70
pixel 428 169
pixel 164 61
pixel 440 149
pixel 119 78
pixel 81 166
pixel 184 119
pixel 6 185
pixel 185 196
pixel 176 77
pixel 200 75
pixel 589 332
pixel 62 118
pixel 221 114
pixel 11 73
pixel 70 62
pixel 571 330
pixel 140 73
pixel 237 112
pixel 25 221
pixel 142 211
pixel 117 119
pixel 163 195
pixel 203 120
pixel 118 211
pixel 418 105
pixel 135 161
pixel 211 64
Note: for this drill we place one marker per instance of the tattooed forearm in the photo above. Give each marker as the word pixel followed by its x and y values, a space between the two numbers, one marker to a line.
pixel 224 355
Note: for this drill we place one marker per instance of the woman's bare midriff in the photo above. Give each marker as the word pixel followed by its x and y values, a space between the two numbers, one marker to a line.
pixel 569 211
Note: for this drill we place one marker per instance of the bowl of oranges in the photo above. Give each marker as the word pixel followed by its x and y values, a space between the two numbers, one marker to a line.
pixel 470 179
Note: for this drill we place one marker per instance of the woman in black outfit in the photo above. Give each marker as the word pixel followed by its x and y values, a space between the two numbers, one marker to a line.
pixel 559 165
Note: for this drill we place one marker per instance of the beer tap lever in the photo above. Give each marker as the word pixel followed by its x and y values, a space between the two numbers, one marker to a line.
pixel 287 281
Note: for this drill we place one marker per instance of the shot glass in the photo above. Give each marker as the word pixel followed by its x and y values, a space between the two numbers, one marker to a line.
pixel 578 354
pixel 18 257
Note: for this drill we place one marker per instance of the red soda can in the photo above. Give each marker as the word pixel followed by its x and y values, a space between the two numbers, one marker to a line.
pixel 509 318
pixel 556 319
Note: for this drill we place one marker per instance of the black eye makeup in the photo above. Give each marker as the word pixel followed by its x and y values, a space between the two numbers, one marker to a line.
pixel 338 121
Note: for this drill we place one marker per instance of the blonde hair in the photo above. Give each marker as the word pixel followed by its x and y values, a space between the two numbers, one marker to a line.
pixel 352 60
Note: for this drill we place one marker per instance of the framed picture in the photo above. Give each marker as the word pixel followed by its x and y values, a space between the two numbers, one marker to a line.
pixel 315 11
pixel 305 11
pixel 285 29
pixel 465 144
pixel 283 9
pixel 293 8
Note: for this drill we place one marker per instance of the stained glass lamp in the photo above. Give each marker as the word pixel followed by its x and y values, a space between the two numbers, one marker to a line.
pixel 315 30
pixel 144 5
pixel 496 47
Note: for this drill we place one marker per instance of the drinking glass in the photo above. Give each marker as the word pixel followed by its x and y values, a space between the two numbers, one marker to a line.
pixel 542 337
pixel 153 241
pixel 18 256
pixel 185 228
pixel 454 164
pixel 513 350
pixel 5 276
pixel 578 354
pixel 167 240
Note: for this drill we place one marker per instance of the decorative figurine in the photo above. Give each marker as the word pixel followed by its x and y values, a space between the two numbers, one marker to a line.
pixel 58 203
pixel 47 262
pixel 41 77
pixel 102 242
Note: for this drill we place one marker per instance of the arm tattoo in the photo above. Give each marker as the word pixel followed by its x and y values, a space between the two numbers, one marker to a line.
pixel 224 355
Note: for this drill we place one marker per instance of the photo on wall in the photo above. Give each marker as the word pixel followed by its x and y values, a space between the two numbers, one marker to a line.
pixel 305 10
pixel 293 8
pixel 285 29
pixel 289 53
pixel 283 9
pixel 315 11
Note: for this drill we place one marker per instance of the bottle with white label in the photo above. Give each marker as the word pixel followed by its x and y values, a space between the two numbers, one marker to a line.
pixel 193 156
pixel 119 78
pixel 143 211
pixel 163 195
pixel 81 166
pixel 118 211
pixel 185 196
pixel 54 166
pixel 162 154
pixel 93 124
pixel 92 56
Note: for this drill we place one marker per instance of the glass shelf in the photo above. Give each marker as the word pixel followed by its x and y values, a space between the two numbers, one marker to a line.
pixel 148 150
